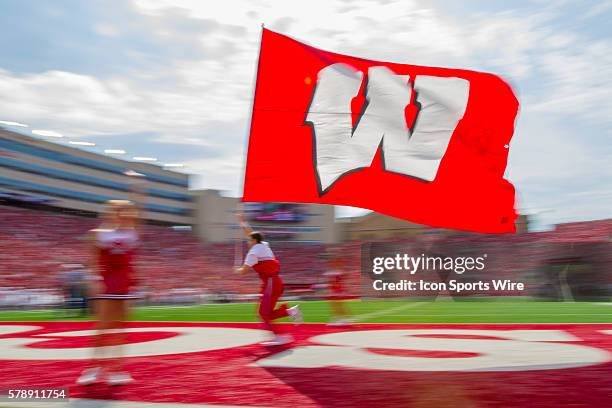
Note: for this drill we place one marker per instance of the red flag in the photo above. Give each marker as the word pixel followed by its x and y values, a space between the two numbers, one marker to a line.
pixel 425 144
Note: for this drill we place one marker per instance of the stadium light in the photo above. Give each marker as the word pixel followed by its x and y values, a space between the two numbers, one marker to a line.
pixel 174 165
pixel 114 151
pixel 10 123
pixel 46 133
pixel 143 158
pixel 73 142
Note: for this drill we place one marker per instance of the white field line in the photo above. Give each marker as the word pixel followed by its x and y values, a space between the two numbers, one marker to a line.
pixel 385 312
pixel 360 322
pixel 499 314
pixel 355 321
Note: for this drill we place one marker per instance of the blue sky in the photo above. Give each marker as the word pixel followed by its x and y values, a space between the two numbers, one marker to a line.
pixel 173 78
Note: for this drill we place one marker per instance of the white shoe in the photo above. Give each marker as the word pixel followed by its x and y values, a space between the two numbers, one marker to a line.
pixel 278 340
pixel 89 376
pixel 119 378
pixel 296 314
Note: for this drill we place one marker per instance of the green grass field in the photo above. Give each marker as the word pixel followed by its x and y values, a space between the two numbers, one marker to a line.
pixel 401 311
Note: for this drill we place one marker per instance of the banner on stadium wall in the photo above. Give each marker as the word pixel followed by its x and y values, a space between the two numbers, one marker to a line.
pixel 425 144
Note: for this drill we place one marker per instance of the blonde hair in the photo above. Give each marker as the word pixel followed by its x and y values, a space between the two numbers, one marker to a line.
pixel 110 207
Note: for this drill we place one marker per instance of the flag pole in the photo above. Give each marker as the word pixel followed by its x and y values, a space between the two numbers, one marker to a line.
pixel 238 238
pixel 250 120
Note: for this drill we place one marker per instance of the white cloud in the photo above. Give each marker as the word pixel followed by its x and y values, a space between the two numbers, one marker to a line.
pixel 578 81
pixel 599 8
pixel 107 30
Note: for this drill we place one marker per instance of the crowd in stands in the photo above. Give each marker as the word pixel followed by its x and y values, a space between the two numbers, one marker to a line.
pixel 35 244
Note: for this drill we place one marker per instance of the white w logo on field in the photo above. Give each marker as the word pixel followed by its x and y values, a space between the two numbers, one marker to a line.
pixel 339 149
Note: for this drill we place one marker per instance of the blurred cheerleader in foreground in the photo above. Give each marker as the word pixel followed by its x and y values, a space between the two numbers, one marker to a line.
pixel 115 242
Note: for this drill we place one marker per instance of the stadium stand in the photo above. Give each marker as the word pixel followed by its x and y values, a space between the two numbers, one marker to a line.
pixel 174 266
pixel 171 263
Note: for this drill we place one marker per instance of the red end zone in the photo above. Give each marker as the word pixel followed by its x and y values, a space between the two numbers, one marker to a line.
pixel 363 365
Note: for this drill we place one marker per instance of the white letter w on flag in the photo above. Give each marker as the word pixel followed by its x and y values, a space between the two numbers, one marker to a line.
pixel 339 149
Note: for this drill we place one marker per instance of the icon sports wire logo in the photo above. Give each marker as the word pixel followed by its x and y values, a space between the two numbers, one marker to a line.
pixel 389 274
